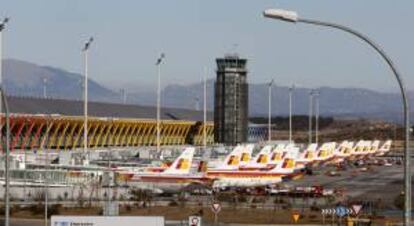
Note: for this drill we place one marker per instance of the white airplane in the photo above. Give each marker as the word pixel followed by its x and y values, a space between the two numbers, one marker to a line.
pixel 374 147
pixel 172 179
pixel 325 153
pixel 254 178
pixel 361 149
pixel 385 148
pixel 343 151
pixel 240 156
pixel 260 161
pixel 307 156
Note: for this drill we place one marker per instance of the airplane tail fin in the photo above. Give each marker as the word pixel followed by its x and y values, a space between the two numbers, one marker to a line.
pixel 374 146
pixel 182 164
pixel 232 159
pixel 289 160
pixel 246 153
pixel 263 156
pixel 386 147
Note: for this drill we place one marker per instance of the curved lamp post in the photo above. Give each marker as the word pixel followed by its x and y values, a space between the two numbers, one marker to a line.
pixel 6 147
pixel 292 16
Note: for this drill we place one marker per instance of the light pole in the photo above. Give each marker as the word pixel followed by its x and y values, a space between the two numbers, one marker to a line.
pixel 310 115
pixel 291 16
pixel 316 116
pixel 5 147
pixel 46 181
pixel 269 133
pixel 85 50
pixel 45 88
pixel 205 110
pixel 291 89
pixel 158 64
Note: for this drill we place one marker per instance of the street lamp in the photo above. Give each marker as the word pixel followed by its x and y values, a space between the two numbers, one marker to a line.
pixel 316 116
pixel 310 115
pixel 291 89
pixel 158 64
pixel 45 88
pixel 205 110
pixel 7 145
pixel 2 27
pixel 85 50
pixel 270 111
pixel 292 16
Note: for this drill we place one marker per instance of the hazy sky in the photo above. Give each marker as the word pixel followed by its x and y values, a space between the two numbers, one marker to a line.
pixel 130 34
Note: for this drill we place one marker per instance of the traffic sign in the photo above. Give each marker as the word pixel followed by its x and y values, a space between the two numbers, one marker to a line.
pixel 356 208
pixel 295 216
pixel 215 207
pixel 341 211
pixel 194 221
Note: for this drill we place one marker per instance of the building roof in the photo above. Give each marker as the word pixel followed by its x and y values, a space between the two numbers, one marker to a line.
pixel 30 105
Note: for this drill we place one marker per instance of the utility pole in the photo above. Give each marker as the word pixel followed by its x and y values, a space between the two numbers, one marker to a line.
pixel 316 116
pixel 269 133
pixel 3 100
pixel 158 64
pixel 205 110
pixel 45 88
pixel 310 116
pixel 85 99
pixel 291 89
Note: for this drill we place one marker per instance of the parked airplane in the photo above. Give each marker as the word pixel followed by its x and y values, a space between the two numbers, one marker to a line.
pixel 257 177
pixel 307 156
pixel 385 148
pixel 260 161
pixel 172 179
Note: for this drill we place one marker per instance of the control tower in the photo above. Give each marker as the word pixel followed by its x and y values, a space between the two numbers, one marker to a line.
pixel 231 100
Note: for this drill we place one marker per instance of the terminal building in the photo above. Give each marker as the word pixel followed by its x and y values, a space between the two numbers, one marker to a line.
pixel 37 123
pixel 231 101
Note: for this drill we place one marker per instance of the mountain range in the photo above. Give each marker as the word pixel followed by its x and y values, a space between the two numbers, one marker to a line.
pixel 27 79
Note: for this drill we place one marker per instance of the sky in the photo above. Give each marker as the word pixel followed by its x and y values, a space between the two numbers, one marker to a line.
pixel 130 35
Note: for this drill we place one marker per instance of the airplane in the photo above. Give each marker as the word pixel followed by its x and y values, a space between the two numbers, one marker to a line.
pixel 361 149
pixel 325 153
pixel 257 177
pixel 240 156
pixel 385 148
pixel 172 179
pixel 260 161
pixel 343 151
pixel 373 148
pixel 307 156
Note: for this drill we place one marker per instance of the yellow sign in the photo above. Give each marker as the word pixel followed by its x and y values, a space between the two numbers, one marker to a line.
pixel 295 216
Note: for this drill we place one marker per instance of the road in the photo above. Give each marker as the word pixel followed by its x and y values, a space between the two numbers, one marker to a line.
pixel 378 182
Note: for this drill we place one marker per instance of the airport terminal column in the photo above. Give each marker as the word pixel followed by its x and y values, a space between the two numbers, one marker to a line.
pixel 158 64
pixel 85 50
pixel 269 133
pixel 291 16
pixel 3 99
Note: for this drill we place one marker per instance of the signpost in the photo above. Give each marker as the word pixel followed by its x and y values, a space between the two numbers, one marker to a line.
pixel 295 216
pixel 215 207
pixel 106 221
pixel 194 221
pixel 356 209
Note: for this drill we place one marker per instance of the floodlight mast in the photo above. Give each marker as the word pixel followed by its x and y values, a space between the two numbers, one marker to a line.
pixel 292 16
pixel 85 50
